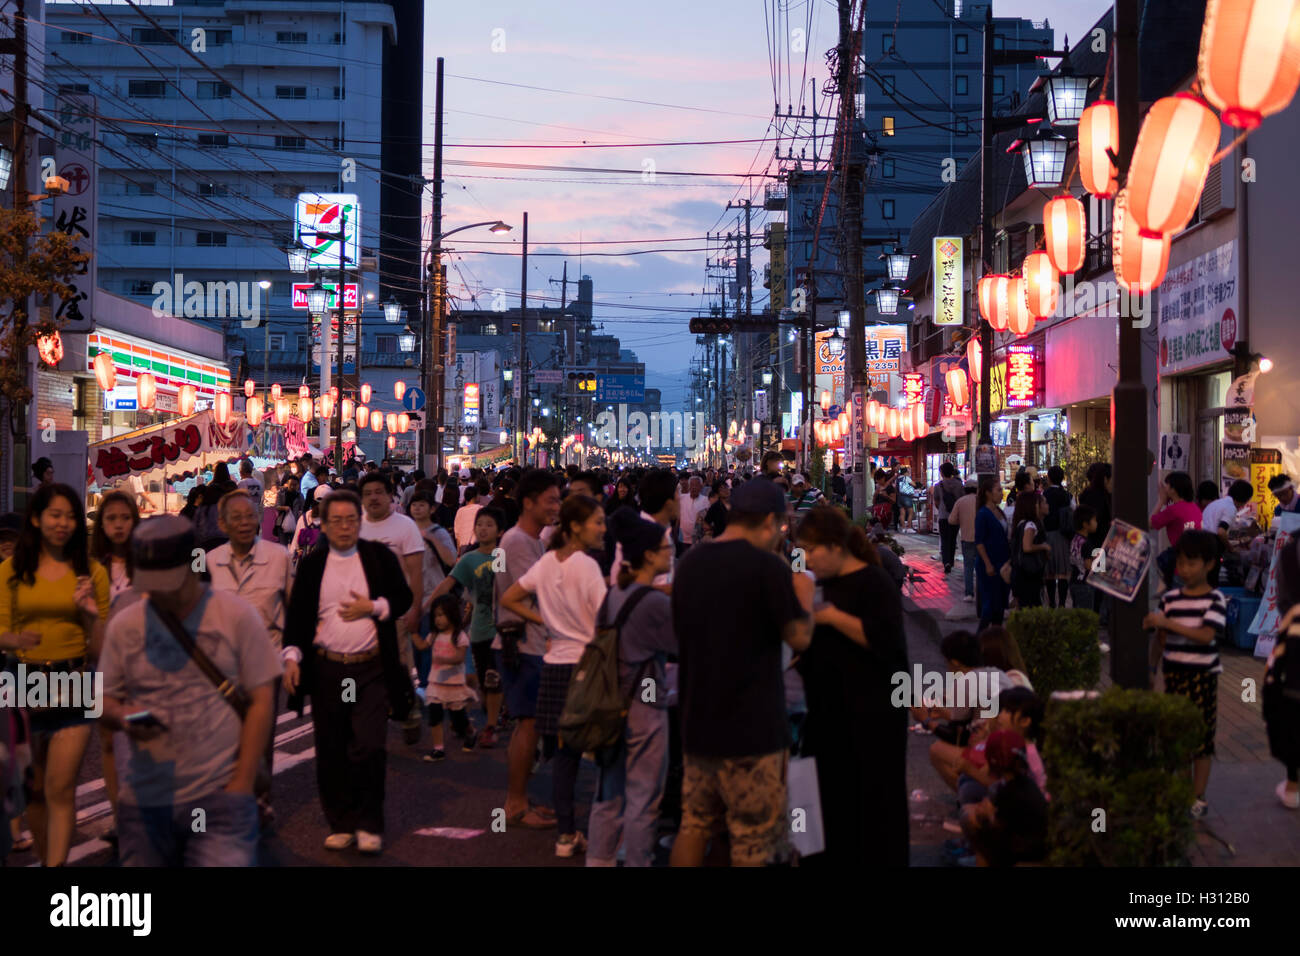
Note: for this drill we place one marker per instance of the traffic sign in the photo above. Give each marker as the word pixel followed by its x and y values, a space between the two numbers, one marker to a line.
pixel 413 399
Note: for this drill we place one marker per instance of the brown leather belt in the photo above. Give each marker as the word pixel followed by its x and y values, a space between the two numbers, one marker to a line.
pixel 348 658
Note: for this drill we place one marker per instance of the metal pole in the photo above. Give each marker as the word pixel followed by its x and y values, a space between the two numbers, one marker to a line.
pixel 434 327
pixel 857 382
pixel 326 366
pixel 338 412
pixel 523 337
pixel 18 183
pixel 1128 418
pixel 986 226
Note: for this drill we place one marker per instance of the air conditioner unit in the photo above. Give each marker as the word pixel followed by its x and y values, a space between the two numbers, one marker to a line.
pixel 1220 192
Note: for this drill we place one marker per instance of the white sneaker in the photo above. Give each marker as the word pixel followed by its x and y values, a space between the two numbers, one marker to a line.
pixel 369 842
pixel 1105 648
pixel 339 841
pixel 1290 798
pixel 969 599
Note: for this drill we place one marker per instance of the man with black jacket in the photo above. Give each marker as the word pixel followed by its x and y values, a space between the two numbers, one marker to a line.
pixel 340 647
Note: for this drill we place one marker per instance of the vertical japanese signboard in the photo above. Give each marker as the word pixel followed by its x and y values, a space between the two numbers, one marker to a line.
pixel 75 210
pixel 1021 376
pixel 948 284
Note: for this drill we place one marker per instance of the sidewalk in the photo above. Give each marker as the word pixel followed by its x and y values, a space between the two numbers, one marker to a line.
pixel 1244 812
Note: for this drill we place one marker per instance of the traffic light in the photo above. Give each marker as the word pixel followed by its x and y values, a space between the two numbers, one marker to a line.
pixel 583 381
pixel 715 325
pixel 710 325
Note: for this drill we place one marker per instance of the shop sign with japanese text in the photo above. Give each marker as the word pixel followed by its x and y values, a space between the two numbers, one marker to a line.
pixel 1198 310
pixel 948 288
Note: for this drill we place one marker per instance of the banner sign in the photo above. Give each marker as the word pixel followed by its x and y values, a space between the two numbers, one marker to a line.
pixel 1198 311
pixel 196 441
pixel 1269 615
pixel 948 287
pixel 1122 565
pixel 1264 464
pixel 300 290
pixel 316 215
pixel 75 212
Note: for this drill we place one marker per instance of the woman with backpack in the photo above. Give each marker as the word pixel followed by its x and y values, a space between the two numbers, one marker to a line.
pixel 288 506
pixel 1059 525
pixel 1029 549
pixel 632 784
pixel 306 534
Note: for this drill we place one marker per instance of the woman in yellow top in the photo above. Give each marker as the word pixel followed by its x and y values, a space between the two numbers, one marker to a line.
pixel 53 605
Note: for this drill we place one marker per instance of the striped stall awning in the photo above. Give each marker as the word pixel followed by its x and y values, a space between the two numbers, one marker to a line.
pixel 171 368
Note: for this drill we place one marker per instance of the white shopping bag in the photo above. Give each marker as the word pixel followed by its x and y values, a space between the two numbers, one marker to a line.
pixel 804 806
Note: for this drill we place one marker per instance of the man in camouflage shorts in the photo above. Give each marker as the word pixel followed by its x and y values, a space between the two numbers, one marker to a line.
pixel 744 794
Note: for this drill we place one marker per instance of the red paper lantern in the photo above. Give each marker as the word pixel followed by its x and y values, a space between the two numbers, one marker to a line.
pixel 1019 319
pixel 986 292
pixel 1099 132
pixel 391 421
pixel 919 425
pixel 975 359
pixel 892 424
pixel 326 403
pixel 253 411
pixel 844 421
pixel 50 348
pixel 1140 262
pixel 403 423
pixel 958 387
pixel 186 399
pixel 873 414
pixel 334 392
pixel 1064 229
pixel 363 416
pixel 392 442
pixel 305 409
pixel 399 389
pixel 348 407
pixel 1041 289
pixel 282 411
pixel 249 388
pixel 365 394
pixel 146 391
pixel 376 421
pixel 105 371
pixel 224 408
pixel 1172 157
pixel 1001 303
pixel 1249 66
pixel 275 392
pixel 907 428
pixel 304 391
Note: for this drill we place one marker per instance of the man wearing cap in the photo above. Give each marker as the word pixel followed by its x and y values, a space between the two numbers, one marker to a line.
pixel 802 496
pixel 962 516
pixel 341 649
pixel 1284 491
pixel 190 756
pixel 734 602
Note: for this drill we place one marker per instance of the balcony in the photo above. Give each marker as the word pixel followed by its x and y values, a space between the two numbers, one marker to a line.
pixel 774 197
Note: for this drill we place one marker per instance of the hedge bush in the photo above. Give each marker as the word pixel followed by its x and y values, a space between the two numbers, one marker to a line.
pixel 1059 646
pixel 1128 753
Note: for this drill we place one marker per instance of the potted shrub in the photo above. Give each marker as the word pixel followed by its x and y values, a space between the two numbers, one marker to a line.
pixel 1059 646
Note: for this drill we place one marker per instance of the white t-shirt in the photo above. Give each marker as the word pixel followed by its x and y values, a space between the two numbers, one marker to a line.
pixel 400 533
pixel 1221 511
pixel 254 488
pixel 569 594
pixel 463 523
pixel 690 509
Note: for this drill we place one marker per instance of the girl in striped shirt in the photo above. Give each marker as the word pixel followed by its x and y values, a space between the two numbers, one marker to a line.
pixel 1189 623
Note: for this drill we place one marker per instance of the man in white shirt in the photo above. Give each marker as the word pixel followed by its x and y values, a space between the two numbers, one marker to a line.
pixel 251 486
pixel 690 507
pixel 307 480
pixel 259 572
pixel 1220 515
pixel 402 535
pixel 463 523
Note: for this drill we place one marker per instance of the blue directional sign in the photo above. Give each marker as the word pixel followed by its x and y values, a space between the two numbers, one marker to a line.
pixel 413 399
pixel 620 388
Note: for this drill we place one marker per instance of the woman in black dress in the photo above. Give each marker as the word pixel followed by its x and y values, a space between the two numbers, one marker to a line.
pixel 858 737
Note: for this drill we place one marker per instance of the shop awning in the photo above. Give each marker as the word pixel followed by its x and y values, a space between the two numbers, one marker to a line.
pixel 183 444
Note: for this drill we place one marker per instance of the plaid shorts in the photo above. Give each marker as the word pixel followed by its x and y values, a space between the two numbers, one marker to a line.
pixel 1202 689
pixel 747 795
pixel 551 692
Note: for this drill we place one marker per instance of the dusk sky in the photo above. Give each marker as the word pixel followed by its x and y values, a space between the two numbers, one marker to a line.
pixel 701 71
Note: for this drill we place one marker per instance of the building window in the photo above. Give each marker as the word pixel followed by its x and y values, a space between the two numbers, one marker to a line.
pixel 219 37
pixel 291 142
pixel 287 36
pixel 961 42
pixel 339 39
pixel 289 190
pixel 143 140
pixel 887 85
pixel 146 89
pixel 961 84
pixel 148 36
pixel 338 93
pixel 291 92
pixel 70 37
pixel 213 189
pixel 211 239
pixel 74 87
pixel 887 168
pixel 139 287
pixel 887 126
pixel 490 329
pixel 139 237
pixel 386 344
pixel 277 341
pixel 887 209
pixel 999 84
pixel 999 42
pixel 216 140
pixel 302 342
pixel 214 90
pixel 886 43
pixel 140 189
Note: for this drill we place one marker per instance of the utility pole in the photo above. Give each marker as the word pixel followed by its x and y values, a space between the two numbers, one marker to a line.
pixel 986 234
pixel 20 472
pixel 523 345
pixel 338 292
pixel 434 330
pixel 853 172
pixel 1128 418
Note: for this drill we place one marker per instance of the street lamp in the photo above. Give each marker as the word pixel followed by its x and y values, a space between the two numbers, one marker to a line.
pixel 1067 95
pixel 767 377
pixel 508 374
pixel 317 296
pixel 844 317
pixel 392 310
pixel 1044 157
pixel 6 166
pixel 897 265
pixel 297 257
pixel 406 341
pixel 887 300
pixel 836 343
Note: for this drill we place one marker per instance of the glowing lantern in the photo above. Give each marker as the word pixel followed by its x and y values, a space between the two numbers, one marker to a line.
pixel 282 411
pixel 186 398
pixel 1249 66
pixel 873 413
pixel 404 424
pixel 304 391
pixel 908 432
pixel 1098 132
pixel 1170 162
pixel 365 394
pixel 825 400
pixel 376 421
pixel 305 409
pixel 844 421
pixel 105 371
pixel 253 411
pixel 146 391
pixel 892 424
pixel 1001 304
pixel 391 421
pixel 334 392
pixel 275 392
pixel 347 409
pixel 986 293
pixel 1019 319
pixel 399 389
pixel 392 442
pixel 326 403
pixel 1041 289
pixel 1063 232
pixel 363 416
pixel 249 387
pixel 958 387
pixel 50 348
pixel 1140 262
pixel 834 429
pixel 919 424
pixel 975 359
pixel 224 407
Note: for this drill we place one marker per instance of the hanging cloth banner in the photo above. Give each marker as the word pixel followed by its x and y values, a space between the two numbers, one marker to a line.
pixel 179 445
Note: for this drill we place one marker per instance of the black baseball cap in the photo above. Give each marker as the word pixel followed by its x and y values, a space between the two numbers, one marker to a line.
pixel 161 551
pixel 758 498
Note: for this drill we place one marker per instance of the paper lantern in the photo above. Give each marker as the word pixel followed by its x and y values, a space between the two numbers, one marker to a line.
pixel 365 394
pixel 249 388
pixel 146 391
pixel 305 409
pixel 919 424
pixel 1001 296
pixel 304 391
pixel 1064 231
pixel 224 407
pixel 834 427
pixel 1170 162
pixel 975 359
pixel 347 409
pixel 844 421
pixel 1041 285
pixel 958 387
pixel 399 389
pixel 326 403
pixel 391 421
pixel 105 371
pixel 253 411
pixel 986 293
pixel 1019 319
pixel 1098 132
pixel 907 428
pixel 282 411
pixel 892 423
pixel 275 392
pixel 1249 65
pixel 363 416
pixel 404 424
pixel 873 413
pixel 186 398
pixel 1140 262
pixel 376 421
pixel 392 442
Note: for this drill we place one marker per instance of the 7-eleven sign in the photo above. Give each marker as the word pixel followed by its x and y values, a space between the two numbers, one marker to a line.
pixel 316 216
